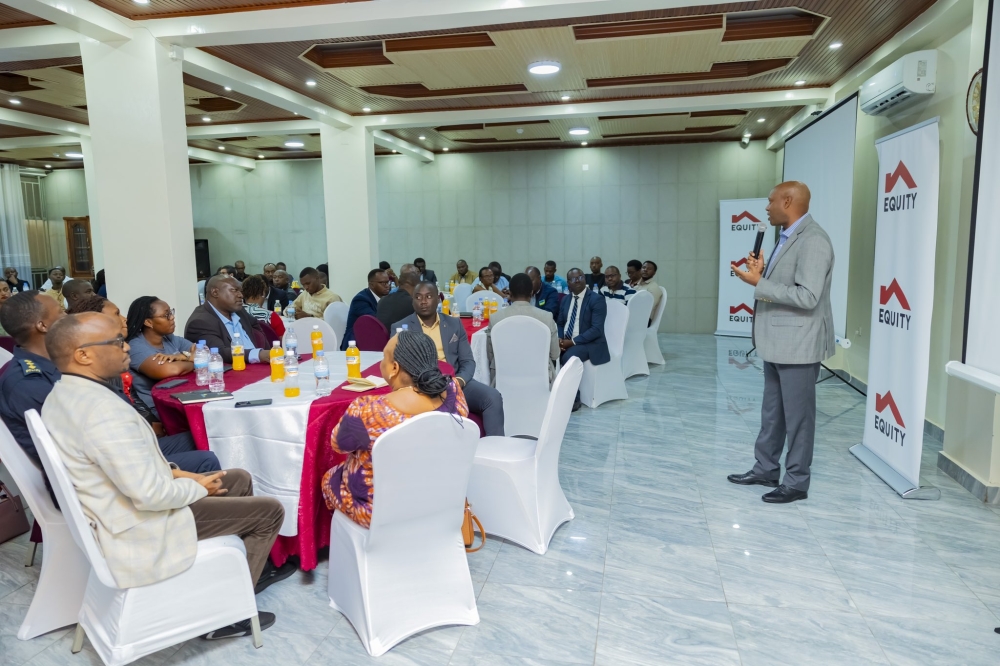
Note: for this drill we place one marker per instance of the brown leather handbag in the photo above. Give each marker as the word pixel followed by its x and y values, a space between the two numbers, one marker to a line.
pixel 13 520
pixel 468 532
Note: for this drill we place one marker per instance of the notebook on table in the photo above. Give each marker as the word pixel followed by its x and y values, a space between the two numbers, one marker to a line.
pixel 195 397
pixel 362 384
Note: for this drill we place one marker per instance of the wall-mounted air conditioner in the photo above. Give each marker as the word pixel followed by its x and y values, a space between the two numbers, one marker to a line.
pixel 911 78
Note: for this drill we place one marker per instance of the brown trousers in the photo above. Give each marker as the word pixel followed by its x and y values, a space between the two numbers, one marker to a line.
pixel 256 520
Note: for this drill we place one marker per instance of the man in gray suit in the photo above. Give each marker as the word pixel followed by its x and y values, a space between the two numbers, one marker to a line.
pixel 452 345
pixel 793 333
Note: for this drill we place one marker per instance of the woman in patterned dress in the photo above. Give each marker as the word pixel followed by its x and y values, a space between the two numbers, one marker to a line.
pixel 410 366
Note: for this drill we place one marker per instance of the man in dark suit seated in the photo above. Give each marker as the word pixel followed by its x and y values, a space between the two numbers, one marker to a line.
pixel 426 275
pixel 581 325
pixel 365 302
pixel 274 294
pixel 399 304
pixel 452 346
pixel 222 316
pixel 543 296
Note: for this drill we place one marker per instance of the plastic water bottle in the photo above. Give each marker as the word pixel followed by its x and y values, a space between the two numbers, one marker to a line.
pixel 321 369
pixel 353 360
pixel 216 381
pixel 477 316
pixel 291 375
pixel 291 342
pixel 290 313
pixel 201 364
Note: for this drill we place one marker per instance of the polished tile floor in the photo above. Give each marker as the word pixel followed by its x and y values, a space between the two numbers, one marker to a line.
pixel 667 563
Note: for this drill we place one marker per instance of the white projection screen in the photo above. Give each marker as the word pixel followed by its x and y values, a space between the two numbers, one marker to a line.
pixel 822 156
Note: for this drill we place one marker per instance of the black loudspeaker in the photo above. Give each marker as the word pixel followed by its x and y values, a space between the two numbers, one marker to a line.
pixel 202 260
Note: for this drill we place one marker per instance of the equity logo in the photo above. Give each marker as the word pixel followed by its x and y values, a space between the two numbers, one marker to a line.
pixel 899 201
pixel 735 310
pixel 737 264
pixel 740 225
pixel 893 431
pixel 888 315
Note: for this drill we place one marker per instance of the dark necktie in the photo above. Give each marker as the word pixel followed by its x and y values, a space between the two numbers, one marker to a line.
pixel 572 319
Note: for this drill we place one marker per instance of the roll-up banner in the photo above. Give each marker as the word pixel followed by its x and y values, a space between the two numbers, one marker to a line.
pixel 902 305
pixel 738 220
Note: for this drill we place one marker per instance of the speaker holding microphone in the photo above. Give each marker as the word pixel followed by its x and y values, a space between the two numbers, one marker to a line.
pixel 759 242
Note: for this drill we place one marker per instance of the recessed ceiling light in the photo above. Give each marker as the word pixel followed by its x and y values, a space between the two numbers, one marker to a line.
pixel 544 67
pixel 445 149
pixel 222 147
pixel 800 83
pixel 48 166
pixel 294 144
pixel 227 87
pixel 395 151
pixel 423 138
pixel 747 135
pixel 310 83
pixel 565 98
pixel 836 45
pixel 260 157
pixel 141 2
pixel 578 131
pixel 206 119
pixel 75 156
pixel 366 109
pixel 15 101
pixel 583 143
pixel 760 120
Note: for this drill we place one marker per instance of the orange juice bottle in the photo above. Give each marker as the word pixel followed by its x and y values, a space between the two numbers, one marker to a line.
pixel 317 339
pixel 277 362
pixel 291 375
pixel 494 306
pixel 446 306
pixel 486 309
pixel 353 360
pixel 239 361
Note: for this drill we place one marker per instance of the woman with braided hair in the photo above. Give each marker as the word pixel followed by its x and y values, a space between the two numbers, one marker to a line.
pixel 410 366
pixel 155 353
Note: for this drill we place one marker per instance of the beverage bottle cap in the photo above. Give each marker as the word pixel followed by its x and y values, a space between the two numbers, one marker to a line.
pixel 350 343
pixel 320 353
pixel 289 353
pixel 315 327
pixel 214 350
pixel 201 343
pixel 276 343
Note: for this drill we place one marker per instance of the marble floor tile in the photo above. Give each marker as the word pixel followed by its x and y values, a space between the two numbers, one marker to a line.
pixel 914 642
pixel 683 572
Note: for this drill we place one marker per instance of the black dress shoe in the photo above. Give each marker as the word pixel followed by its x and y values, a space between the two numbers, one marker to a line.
pixel 242 628
pixel 783 495
pixel 751 479
pixel 577 405
pixel 272 574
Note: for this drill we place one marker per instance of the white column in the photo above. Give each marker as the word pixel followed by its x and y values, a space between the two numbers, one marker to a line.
pixel 90 176
pixel 141 187
pixel 349 198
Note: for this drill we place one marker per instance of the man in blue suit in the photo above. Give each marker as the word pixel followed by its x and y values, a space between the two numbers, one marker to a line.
pixel 581 324
pixel 365 302
pixel 543 296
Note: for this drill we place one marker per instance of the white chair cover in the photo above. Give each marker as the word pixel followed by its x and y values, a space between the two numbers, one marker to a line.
pixel 602 383
pixel 303 329
pixel 651 343
pixel 521 353
pixel 5 357
pixel 336 316
pixel 127 624
pixel 59 592
pixel 514 489
pixel 408 572
pixel 634 351
pixel 461 295
pixel 471 301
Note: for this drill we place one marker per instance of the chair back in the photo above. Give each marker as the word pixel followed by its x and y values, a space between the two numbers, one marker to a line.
pixel 69 502
pixel 303 329
pixel 5 357
pixel 336 316
pixel 29 479
pixel 461 295
pixel 639 308
pixel 521 353
pixel 614 327
pixel 478 297
pixel 658 315
pixel 420 470
pixel 370 333
pixel 557 412
pixel 269 333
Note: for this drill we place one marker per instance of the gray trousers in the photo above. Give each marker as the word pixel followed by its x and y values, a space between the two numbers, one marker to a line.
pixel 788 409
pixel 486 401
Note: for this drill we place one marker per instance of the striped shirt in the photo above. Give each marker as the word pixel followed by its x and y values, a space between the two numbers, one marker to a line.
pixel 622 294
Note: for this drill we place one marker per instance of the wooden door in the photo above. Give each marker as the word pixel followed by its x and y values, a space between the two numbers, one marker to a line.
pixel 79 248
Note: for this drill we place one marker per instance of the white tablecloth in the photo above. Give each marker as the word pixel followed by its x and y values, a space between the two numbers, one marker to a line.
pixel 479 355
pixel 269 441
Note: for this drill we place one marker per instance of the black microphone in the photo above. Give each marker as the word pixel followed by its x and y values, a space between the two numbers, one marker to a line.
pixel 757 244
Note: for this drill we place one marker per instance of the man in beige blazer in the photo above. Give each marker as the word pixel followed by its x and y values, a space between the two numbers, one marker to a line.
pixel 146 514
pixel 521 289
pixel 793 333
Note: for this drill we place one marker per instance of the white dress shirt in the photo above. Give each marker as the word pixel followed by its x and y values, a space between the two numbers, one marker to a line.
pixel 579 312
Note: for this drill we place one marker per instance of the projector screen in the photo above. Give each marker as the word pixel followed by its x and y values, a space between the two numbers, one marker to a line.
pixel 822 156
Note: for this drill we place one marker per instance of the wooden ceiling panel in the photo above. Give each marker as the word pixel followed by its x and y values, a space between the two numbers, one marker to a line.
pixel 473 40
pixel 354 54
pixel 719 71
pixel 754 26
pixel 649 27
pixel 11 132
pixel 15 18
pixel 165 8
pixel 420 91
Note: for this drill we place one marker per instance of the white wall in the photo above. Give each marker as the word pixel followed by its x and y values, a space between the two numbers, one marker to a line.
pixel 525 207
pixel 64 194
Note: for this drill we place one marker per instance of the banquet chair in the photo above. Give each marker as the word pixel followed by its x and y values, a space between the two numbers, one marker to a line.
pixel 605 382
pixel 634 351
pixel 408 572
pixel 370 333
pixel 303 329
pixel 477 297
pixel 514 488
pixel 461 295
pixel 521 355
pixel 651 343
pixel 336 316
pixel 59 591
pixel 127 624
pixel 269 333
pixel 5 356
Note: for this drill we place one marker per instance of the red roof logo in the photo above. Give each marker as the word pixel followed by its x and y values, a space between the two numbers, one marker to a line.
pixel 901 173
pixel 733 309
pixel 745 215
pixel 741 262
pixel 885 293
pixel 883 401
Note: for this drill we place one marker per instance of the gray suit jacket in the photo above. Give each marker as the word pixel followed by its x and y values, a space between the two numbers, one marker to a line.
pixel 523 309
pixel 793 320
pixel 457 351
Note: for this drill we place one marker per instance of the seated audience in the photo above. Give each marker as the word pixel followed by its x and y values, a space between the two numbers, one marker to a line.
pixel 324 279
pixel 399 304
pixel 485 283
pixel 452 345
pixel 221 317
pixel 240 270
pixel 4 295
pixel 410 366
pixel 649 284
pixel 254 295
pixel 554 280
pixel 76 290
pixel 500 279
pixel 268 273
pixel 581 325
pixel 281 266
pixel 614 287
pixel 634 270
pixel 179 449
pixel 57 277
pixel 226 271
pixel 425 274
pixel 283 281
pixel 155 352
pixel 595 279
pixel 100 284
pixel 315 296
pixel 543 296
pixel 147 516
pixel 365 302
pixel 462 274
pixel 48 282
pixel 393 280
pixel 323 268
pixel 14 283
pixel 521 293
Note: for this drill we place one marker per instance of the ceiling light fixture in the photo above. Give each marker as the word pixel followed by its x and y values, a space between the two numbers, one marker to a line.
pixel 227 87
pixel 835 45
pixel 294 144
pixel 75 156
pixel 206 119
pixel 260 157
pixel 395 151
pixel 760 120
pixel 141 2
pixel 48 166
pixel 222 147
pixel 445 149
pixel 15 101
pixel 423 138
pixel 544 67
pixel 310 83
pixel 565 98
pixel 583 143
pixel 366 109
pixel 800 83
pixel 579 131
pixel 747 135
